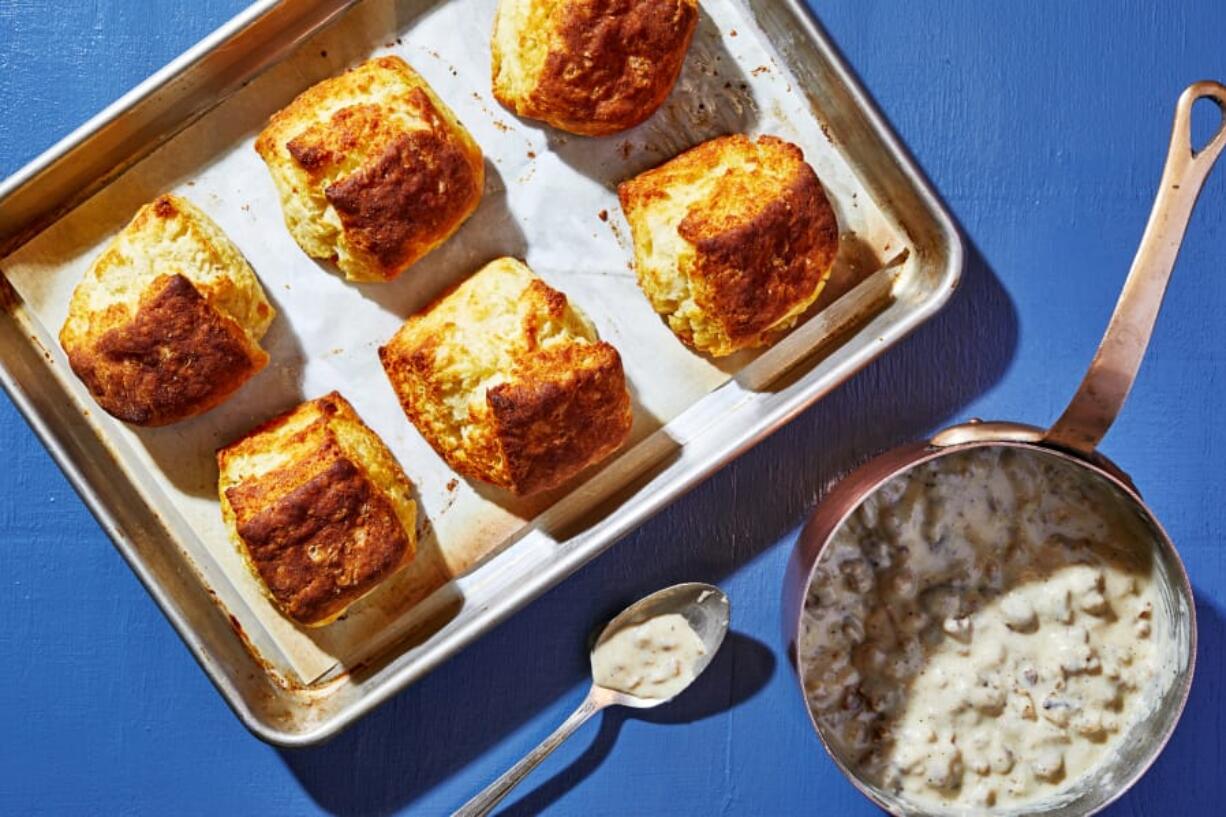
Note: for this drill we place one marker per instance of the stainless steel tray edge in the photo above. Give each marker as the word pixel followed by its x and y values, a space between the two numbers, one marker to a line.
pixel 138 122
pixel 37 193
pixel 55 182
pixel 131 525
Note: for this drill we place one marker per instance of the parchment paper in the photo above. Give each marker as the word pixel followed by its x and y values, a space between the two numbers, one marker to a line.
pixel 550 199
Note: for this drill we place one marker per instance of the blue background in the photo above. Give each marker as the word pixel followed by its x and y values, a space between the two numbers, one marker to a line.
pixel 1042 123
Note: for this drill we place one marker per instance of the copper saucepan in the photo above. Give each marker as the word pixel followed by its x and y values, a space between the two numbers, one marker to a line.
pixel 1072 439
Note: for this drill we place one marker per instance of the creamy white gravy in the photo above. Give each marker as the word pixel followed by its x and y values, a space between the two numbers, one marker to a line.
pixel 979 634
pixel 654 659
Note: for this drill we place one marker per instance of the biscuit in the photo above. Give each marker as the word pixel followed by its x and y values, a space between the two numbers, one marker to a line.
pixel 166 323
pixel 590 67
pixel 508 382
pixel 319 508
pixel 373 170
pixel 733 240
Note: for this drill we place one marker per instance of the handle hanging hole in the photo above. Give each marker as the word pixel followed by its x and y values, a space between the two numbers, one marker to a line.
pixel 1208 120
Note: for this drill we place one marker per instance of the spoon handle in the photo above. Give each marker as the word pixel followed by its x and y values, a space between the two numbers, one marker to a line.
pixel 484 802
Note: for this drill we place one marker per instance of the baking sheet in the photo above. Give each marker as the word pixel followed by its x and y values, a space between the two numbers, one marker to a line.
pixel 550 199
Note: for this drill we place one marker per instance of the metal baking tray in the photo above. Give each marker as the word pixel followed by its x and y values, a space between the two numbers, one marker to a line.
pixel 198 114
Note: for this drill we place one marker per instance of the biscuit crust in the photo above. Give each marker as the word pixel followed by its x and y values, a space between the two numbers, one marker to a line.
pixel 166 323
pixel 508 382
pixel 319 508
pixel 590 67
pixel 373 169
pixel 177 356
pixel 734 239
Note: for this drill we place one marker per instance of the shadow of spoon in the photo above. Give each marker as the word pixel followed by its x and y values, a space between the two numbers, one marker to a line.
pixel 705 609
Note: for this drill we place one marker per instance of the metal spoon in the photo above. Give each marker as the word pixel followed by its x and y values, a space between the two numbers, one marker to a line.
pixel 704 607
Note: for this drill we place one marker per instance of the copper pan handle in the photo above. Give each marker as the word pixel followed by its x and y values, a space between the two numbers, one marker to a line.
pixel 1106 385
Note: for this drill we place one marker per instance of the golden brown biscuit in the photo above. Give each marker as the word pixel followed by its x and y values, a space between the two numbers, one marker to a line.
pixel 319 508
pixel 166 322
pixel 733 240
pixel 373 169
pixel 508 382
pixel 590 67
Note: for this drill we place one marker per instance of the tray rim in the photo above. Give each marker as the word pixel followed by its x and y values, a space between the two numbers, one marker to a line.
pixel 607 533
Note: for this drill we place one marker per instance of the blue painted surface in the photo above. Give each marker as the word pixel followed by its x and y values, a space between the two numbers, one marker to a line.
pixel 1042 123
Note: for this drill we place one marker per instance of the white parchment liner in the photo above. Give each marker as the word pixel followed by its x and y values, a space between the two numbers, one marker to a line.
pixel 549 199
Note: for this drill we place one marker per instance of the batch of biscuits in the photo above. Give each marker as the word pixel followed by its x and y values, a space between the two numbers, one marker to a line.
pixel 505 378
